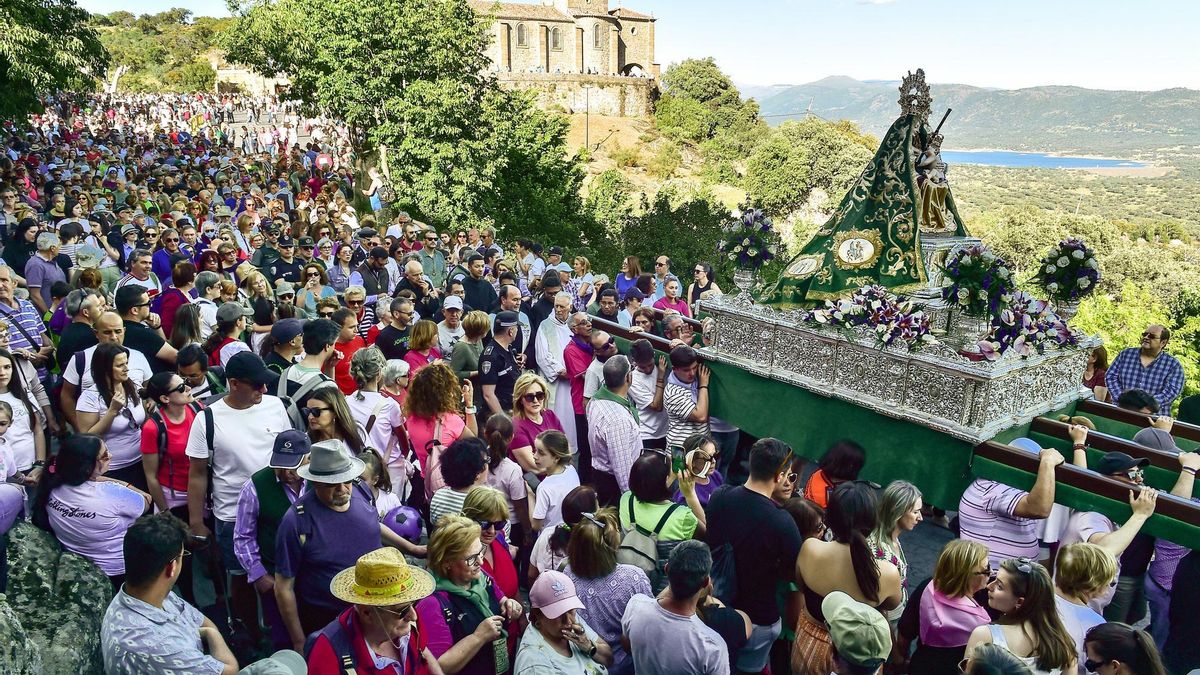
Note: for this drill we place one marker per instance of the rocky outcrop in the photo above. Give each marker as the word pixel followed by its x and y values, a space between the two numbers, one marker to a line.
pixel 50 616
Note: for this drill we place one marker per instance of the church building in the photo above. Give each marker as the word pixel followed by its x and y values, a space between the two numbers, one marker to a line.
pixel 569 37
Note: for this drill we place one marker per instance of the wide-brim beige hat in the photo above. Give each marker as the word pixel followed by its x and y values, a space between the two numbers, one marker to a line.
pixel 382 578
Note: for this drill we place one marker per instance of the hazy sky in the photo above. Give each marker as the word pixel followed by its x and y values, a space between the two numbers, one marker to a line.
pixel 1105 44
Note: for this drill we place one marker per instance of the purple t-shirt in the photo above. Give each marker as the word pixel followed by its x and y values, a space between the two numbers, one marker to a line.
pixel 333 542
pixel 524 431
pixel 703 492
pixel 91 519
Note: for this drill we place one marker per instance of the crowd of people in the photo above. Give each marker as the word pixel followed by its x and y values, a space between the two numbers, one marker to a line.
pixel 299 434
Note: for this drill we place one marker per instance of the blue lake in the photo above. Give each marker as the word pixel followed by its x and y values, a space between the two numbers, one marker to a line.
pixel 1033 160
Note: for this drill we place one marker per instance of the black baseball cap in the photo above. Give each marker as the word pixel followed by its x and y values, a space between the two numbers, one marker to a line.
pixel 291 447
pixel 286 242
pixel 555 250
pixel 249 367
pixel 507 319
pixel 1118 462
pixel 379 252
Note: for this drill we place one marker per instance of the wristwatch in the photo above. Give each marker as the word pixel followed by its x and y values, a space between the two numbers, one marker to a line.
pixel 592 651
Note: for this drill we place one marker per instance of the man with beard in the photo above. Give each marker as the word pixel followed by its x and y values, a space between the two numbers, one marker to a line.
pixel 479 292
pixel 1149 368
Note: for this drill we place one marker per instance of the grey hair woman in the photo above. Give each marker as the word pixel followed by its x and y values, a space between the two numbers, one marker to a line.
pixel 899 511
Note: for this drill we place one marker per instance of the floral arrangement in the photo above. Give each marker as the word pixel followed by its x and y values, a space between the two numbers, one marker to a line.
pixel 750 241
pixel 892 319
pixel 1026 325
pixel 976 280
pixel 1069 272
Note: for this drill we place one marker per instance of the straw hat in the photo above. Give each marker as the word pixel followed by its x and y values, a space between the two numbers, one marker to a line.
pixel 382 578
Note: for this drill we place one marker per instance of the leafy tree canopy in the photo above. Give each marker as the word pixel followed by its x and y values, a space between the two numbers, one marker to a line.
pixel 45 46
pixel 410 76
pixel 798 157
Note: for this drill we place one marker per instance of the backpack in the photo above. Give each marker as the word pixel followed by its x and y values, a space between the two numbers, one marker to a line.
pixel 291 403
pixel 641 548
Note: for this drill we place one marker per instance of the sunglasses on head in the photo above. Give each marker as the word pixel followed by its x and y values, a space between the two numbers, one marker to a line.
pixel 534 396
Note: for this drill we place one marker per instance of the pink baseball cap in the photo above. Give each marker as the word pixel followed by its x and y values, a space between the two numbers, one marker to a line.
pixel 554 594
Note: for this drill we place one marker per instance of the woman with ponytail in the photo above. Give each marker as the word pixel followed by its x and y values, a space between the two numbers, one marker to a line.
pixel 1119 649
pixel 1029 625
pixel 506 476
pixel 845 564
pixel 379 415
pixel 549 552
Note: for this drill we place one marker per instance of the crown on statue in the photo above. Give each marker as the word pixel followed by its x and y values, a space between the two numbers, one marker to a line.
pixel 914 95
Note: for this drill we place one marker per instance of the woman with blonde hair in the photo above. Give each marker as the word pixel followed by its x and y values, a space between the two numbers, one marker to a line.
pixel 604 585
pixel 945 611
pixel 582 281
pixel 1029 627
pixel 531 416
pixel 465 619
pixel 435 416
pixel 422 345
pixel 1082 573
pixel 899 511
pixel 242 235
pixel 488 507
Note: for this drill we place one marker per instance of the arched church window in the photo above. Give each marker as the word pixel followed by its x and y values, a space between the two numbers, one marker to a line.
pixel 522 36
pixel 596 36
pixel 556 39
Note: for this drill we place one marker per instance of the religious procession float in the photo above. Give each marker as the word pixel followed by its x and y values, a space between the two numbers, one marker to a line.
pixel 897 329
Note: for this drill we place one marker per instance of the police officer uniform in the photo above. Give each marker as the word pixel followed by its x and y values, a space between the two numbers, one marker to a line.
pixel 280 269
pixel 498 365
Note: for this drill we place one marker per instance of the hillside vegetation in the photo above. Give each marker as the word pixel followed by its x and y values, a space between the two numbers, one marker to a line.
pixel 1045 119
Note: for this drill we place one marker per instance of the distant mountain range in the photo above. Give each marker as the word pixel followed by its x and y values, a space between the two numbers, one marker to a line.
pixel 1049 119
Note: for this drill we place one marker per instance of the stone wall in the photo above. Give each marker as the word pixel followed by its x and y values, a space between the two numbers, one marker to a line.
pixel 602 95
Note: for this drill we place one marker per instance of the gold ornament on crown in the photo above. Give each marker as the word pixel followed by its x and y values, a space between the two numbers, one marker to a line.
pixel 914 95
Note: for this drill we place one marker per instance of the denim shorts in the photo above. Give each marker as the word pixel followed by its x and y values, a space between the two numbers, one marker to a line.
pixel 224 532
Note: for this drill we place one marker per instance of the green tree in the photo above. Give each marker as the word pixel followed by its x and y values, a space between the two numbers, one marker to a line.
pixel 45 46
pixel 410 75
pixel 801 156
pixel 195 76
pixel 682 222
pixel 683 118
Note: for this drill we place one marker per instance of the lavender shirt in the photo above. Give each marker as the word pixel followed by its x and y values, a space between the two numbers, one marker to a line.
pixel 604 600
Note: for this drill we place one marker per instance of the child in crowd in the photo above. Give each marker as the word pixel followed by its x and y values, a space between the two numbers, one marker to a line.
pixel 552 455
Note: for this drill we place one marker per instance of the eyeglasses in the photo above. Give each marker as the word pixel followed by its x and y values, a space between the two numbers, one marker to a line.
pixel 697 271
pixel 434 239
pixel 314 275
pixel 492 524
pixel 325 315
pixel 660 264
pixel 128 415
pixel 534 397
pixel 313 411
pixel 1025 565
pixel 355 303
pixel 183 386
pixel 1151 336
pixel 1093 666
pixel 474 560
pixel 171 239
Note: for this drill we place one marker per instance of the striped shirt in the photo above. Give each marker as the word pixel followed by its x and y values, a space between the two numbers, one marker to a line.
pixel 679 400
pixel 27 316
pixel 987 514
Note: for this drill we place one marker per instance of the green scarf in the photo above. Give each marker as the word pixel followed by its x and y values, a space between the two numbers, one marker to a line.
pixel 477 592
pixel 604 394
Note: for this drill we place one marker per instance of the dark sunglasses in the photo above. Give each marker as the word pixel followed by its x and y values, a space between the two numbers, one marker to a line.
pixel 355 303
pixel 534 396
pixel 183 386
pixel 313 412
pixel 492 524
pixel 1093 666
pixel 314 274
pixel 325 315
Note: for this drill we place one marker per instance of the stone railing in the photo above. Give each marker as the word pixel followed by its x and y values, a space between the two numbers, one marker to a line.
pixel 935 387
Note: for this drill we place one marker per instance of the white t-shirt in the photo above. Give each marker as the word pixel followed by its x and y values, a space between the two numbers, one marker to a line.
pixel 91 519
pixel 593 377
pixel 641 394
pixel 447 337
pixel 208 316
pixel 243 444
pixel 386 501
pixel 387 418
pixel 124 436
pixel 19 437
pixel 80 375
pixel 550 495
pixel 228 351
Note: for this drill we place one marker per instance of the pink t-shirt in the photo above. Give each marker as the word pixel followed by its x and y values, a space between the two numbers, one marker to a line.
pixel 680 305
pixel 90 520
pixel 524 431
pixel 420 432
